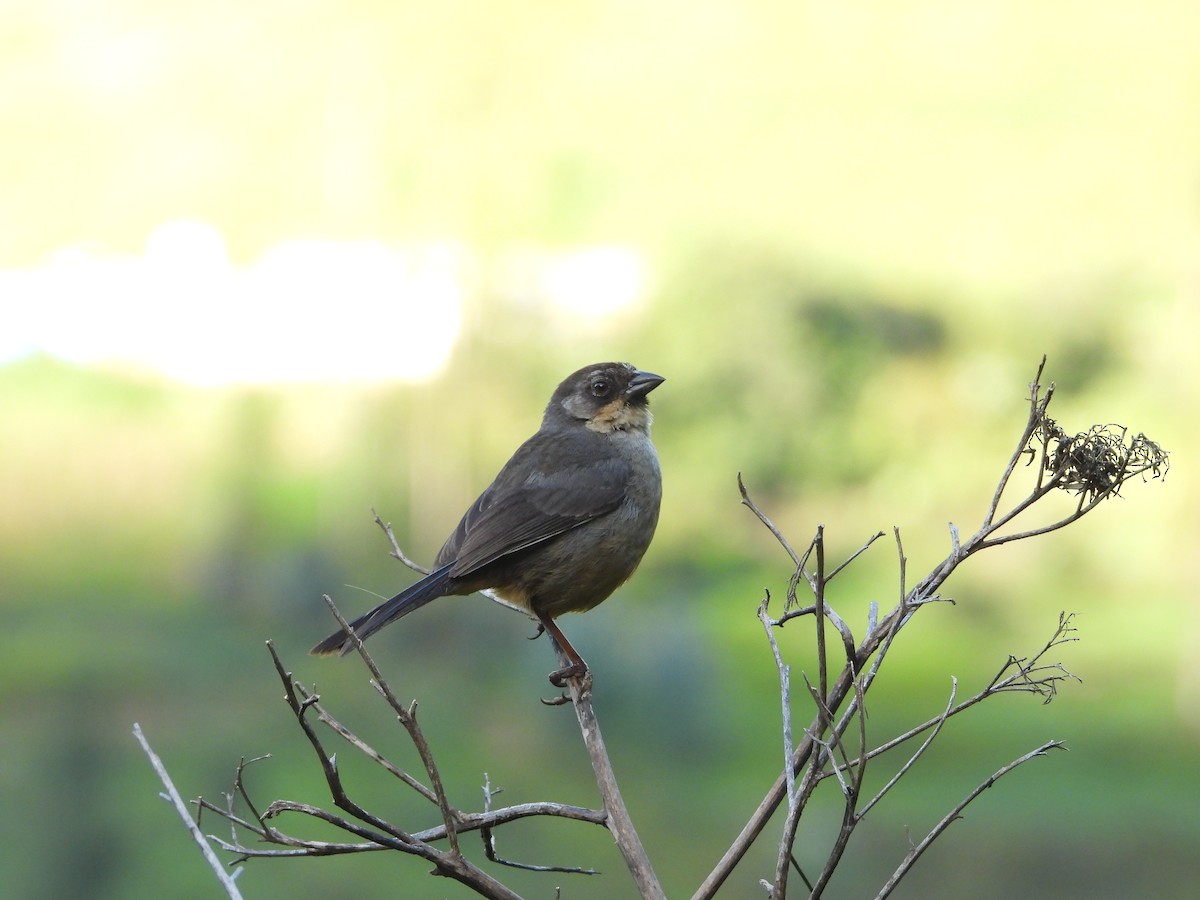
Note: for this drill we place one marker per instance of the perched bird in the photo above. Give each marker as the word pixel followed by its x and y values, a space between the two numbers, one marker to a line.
pixel 565 522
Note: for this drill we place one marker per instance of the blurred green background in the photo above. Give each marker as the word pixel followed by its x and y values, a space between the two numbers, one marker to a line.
pixel 844 232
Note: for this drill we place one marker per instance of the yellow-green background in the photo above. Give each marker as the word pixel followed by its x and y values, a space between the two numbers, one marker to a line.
pixel 865 223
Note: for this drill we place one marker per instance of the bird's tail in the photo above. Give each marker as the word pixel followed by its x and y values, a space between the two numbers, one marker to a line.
pixel 428 588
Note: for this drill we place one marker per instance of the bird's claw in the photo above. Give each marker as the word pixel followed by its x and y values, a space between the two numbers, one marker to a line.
pixel 559 677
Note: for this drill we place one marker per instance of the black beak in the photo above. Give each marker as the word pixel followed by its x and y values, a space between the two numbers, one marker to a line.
pixel 643 383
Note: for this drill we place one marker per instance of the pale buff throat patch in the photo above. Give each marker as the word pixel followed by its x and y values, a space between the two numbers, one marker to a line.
pixel 619 416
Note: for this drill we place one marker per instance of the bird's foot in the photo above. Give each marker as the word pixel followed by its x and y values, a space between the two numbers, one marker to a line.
pixel 559 677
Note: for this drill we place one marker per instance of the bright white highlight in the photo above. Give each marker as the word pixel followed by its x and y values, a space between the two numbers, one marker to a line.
pixel 306 311
pixel 595 282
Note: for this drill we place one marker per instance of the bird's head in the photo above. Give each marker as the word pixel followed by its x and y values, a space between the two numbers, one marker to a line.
pixel 607 397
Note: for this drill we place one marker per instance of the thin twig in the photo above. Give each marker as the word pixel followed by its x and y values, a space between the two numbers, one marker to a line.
pixel 1036 410
pixel 172 796
pixel 822 660
pixel 619 822
pixel 488 835
pixel 785 693
pixel 762 517
pixel 1028 675
pixel 378 841
pixel 956 813
pixel 396 551
pixel 879 638
pixel 450 862
pixel 855 555
pixel 362 746
pixel 920 751
pixel 328 762
pixel 407 716
pixel 850 814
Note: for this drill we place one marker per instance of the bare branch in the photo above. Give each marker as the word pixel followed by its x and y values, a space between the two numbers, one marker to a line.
pixel 396 551
pixel 1036 410
pixel 327 761
pixel 488 835
pixel 956 813
pixel 785 693
pixel 619 822
pixel 1017 674
pixel 792 610
pixel 851 793
pixel 377 841
pixel 1094 463
pixel 822 660
pixel 172 796
pixel 941 720
pixel 362 746
pixel 855 555
pixel 762 517
pixel 407 716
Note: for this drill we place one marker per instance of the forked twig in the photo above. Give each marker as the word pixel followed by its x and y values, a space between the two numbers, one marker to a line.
pixel 407 716
pixel 1094 464
pixel 488 834
pixel 171 795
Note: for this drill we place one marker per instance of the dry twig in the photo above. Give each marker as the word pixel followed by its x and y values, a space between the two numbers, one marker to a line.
pixel 1095 464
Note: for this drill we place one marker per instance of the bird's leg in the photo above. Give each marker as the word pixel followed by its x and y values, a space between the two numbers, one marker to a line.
pixel 577 666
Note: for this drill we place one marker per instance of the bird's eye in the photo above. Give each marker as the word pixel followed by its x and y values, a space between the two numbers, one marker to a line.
pixel 601 387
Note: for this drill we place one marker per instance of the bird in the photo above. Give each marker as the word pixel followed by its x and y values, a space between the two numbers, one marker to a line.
pixel 565 522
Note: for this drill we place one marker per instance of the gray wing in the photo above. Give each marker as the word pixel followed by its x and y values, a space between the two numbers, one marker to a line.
pixel 531 502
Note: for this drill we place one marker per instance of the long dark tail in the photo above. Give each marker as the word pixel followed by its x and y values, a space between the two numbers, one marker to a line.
pixel 428 588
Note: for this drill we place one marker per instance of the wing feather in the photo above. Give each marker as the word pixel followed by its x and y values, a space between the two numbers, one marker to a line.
pixel 531 502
